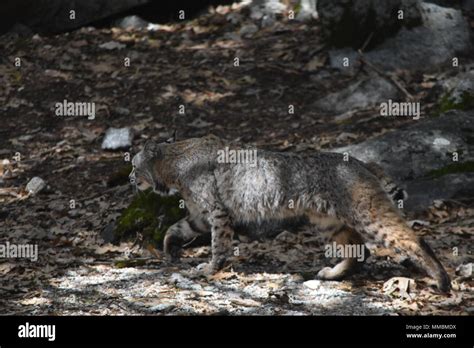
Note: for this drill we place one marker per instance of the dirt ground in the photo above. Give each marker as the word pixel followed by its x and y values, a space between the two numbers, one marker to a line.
pixel 189 63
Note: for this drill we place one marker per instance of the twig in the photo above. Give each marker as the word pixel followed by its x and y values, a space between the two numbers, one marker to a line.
pixel 366 43
pixel 387 76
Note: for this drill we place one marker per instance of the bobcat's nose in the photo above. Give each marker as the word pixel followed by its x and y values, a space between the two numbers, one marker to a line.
pixel 142 185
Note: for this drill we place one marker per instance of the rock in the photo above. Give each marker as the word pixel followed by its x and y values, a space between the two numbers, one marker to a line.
pixel 307 10
pixel 57 206
pixel 350 22
pixel 423 192
pixel 132 22
pixel 444 34
pixel 259 8
pixel 313 284
pixel 122 111
pixel 117 138
pixel 459 84
pixel 465 271
pixel 20 30
pixel 35 185
pixel 364 93
pixel 265 11
pixel 337 59
pixel 184 283
pixel 248 30
pixel 467 5
pixel 456 92
pixel 427 146
pixel 163 307
pixel 344 136
pixel 112 45
pixel 421 157
pixel 53 16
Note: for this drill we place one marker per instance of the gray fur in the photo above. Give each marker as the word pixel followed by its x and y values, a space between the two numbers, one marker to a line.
pixel 320 186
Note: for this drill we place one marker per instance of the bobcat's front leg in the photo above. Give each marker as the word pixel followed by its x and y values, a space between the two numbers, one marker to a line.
pixel 222 234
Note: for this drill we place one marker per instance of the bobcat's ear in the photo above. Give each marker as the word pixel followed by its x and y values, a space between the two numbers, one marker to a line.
pixel 173 138
pixel 151 147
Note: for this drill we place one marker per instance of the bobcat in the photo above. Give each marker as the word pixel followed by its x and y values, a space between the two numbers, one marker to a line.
pixel 349 199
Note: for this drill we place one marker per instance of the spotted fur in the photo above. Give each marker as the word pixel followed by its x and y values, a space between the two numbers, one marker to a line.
pixel 350 198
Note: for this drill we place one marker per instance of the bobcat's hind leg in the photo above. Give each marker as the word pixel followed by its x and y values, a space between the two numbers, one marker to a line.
pixel 343 242
pixel 182 232
pixel 349 245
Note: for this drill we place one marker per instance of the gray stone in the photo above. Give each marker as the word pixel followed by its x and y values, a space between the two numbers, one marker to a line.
pixel 443 35
pixel 422 192
pixel 364 93
pixel 467 5
pixel 248 30
pixel 35 185
pixel 117 138
pixel 112 45
pixel 458 87
pixel 427 145
pixel 122 111
pixel 350 22
pixel 259 8
pixel 52 16
pixel 337 57
pixel 465 271
pixel 307 10
pixel 412 155
pixel 132 22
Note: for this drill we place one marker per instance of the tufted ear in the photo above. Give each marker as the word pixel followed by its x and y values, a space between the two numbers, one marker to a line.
pixel 151 147
pixel 173 138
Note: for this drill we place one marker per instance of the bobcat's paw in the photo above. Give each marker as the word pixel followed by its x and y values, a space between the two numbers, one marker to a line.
pixel 326 273
pixel 210 268
pixel 333 273
pixel 205 269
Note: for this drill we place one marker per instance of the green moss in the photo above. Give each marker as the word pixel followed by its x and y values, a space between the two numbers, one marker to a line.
pixel 447 102
pixel 459 167
pixel 151 215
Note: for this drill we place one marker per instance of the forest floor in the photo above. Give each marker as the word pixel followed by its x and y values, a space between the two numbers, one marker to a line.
pixel 189 63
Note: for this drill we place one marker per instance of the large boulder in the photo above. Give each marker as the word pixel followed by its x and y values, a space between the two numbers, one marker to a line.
pixel 350 22
pixel 422 157
pixel 53 16
pixel 364 93
pixel 443 35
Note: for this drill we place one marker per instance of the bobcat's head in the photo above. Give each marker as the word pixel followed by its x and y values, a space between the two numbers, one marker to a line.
pixel 144 173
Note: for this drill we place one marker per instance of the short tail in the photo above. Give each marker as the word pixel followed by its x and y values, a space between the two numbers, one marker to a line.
pixel 379 218
pixel 397 235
